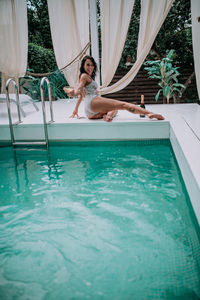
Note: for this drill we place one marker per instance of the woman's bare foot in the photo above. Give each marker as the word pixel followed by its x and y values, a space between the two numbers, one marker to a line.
pixel 107 118
pixel 156 116
pixel 110 116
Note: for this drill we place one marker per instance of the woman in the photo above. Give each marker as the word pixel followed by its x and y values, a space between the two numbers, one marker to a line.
pixel 97 107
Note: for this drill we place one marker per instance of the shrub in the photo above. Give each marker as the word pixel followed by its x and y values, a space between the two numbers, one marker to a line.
pixel 40 60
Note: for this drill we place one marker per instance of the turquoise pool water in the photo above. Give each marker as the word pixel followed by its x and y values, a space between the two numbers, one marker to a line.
pixel 96 221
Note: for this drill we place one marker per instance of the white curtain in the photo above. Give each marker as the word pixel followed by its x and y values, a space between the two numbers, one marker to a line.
pixel 195 9
pixel 69 22
pixel 153 14
pixel 115 19
pixel 13 40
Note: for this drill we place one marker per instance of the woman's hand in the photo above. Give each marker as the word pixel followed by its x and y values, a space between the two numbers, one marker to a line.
pixel 75 113
pixel 69 91
pixel 72 93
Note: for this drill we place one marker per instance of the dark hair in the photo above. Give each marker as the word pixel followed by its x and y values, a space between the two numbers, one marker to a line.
pixel 82 70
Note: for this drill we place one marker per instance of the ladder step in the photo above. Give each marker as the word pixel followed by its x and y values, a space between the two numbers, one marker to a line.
pixel 29 144
pixel 36 146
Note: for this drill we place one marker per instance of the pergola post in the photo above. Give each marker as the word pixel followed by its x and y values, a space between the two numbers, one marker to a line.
pixel 94 35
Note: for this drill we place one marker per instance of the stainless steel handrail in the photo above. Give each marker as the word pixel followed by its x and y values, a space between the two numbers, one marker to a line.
pixel 45 79
pixel 11 80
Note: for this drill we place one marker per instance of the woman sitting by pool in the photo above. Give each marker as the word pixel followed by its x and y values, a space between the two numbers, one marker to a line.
pixel 97 107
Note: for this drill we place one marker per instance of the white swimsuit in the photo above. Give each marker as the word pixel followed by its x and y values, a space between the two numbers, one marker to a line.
pixel 91 93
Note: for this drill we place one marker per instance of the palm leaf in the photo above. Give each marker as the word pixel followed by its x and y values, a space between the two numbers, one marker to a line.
pixel 155 77
pixel 179 91
pixel 170 54
pixel 179 85
pixel 157 95
pixel 152 62
pixel 166 91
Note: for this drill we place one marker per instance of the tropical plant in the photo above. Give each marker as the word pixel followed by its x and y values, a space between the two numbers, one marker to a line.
pixel 167 75
pixel 57 81
pixel 31 86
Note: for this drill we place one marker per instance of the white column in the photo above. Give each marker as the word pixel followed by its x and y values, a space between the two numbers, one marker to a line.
pixel 94 35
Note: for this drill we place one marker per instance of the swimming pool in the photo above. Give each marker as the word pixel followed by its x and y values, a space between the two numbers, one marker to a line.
pixel 97 220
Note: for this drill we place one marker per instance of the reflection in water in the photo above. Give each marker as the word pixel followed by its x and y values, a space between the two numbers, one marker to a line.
pixel 96 220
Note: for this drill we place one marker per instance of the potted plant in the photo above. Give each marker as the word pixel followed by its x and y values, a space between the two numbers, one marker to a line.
pixel 167 75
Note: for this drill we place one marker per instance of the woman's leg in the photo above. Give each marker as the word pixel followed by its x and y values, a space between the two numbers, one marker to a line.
pixel 108 117
pixel 105 105
pixel 96 116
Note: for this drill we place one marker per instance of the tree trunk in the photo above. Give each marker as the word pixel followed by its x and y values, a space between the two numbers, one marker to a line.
pixel 186 84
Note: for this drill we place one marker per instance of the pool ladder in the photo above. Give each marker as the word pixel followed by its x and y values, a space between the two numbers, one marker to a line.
pixel 45 142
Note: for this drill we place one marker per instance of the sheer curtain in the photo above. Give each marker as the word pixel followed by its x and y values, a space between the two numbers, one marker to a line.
pixel 115 19
pixel 69 22
pixel 153 14
pixel 13 40
pixel 195 9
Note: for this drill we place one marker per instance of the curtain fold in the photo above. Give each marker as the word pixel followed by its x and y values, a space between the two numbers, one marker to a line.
pixel 115 19
pixel 152 16
pixel 195 10
pixel 69 23
pixel 13 40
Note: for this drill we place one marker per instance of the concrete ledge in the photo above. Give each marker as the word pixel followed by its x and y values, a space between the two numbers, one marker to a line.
pixel 87 131
pixel 187 148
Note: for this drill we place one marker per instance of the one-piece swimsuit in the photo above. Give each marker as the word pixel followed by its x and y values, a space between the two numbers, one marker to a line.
pixel 91 93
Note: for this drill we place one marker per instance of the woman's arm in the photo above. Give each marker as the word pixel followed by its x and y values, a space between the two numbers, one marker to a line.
pixel 75 112
pixel 80 90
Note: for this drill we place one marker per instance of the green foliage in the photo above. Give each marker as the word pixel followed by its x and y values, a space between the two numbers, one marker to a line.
pixel 40 60
pixel 57 81
pixel 31 85
pixel 38 23
pixel 130 47
pixel 167 75
pixel 175 33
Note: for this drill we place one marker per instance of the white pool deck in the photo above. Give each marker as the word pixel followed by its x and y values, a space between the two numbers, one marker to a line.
pixel 181 126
